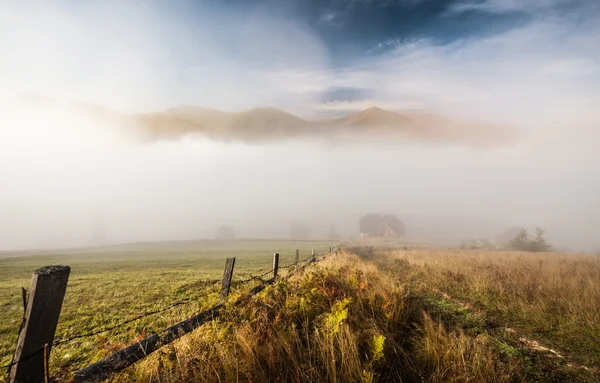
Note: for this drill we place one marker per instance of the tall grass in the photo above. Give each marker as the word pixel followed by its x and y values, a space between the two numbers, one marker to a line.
pixel 342 321
pixel 384 315
pixel 331 324
pixel 551 297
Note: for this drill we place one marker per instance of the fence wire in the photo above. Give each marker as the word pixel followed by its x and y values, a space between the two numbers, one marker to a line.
pixel 316 257
pixel 121 324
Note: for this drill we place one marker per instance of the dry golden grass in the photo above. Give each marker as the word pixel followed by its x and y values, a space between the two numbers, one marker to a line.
pixel 310 328
pixel 345 319
pixel 554 298
pixel 453 356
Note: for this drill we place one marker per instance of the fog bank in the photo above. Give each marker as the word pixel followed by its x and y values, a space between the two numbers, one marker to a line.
pixel 71 182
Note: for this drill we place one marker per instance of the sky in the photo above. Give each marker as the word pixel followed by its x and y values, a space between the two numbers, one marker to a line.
pixel 533 65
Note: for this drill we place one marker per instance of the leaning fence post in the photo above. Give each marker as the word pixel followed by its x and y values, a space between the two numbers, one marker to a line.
pixel 227 275
pixel 275 264
pixel 48 286
pixel 297 259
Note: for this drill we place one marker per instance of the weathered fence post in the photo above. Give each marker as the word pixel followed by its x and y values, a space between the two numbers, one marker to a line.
pixel 227 275
pixel 297 259
pixel 48 286
pixel 275 264
pixel 313 256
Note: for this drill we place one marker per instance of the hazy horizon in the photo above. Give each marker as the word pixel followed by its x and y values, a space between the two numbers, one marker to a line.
pixel 535 67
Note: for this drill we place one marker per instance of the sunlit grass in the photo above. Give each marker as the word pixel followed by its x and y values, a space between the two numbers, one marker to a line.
pixel 109 285
pixel 366 314
pixel 554 298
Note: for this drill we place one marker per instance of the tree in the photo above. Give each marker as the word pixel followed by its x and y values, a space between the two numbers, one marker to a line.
pixel 225 233
pixel 523 242
pixel 299 230
pixel 538 244
pixel 370 223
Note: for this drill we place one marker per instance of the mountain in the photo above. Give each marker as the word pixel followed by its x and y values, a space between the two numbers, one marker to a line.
pixel 251 125
pixel 161 126
pixel 379 123
pixel 262 124
pixel 375 118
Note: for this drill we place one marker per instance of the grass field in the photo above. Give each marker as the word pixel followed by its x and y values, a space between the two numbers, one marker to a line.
pixel 111 284
pixel 367 314
pixel 388 315
pixel 539 311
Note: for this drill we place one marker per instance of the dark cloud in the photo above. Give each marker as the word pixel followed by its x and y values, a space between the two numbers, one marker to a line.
pixel 351 29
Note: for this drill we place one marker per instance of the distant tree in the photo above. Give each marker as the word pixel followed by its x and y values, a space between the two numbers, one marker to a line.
pixel 477 244
pixel 332 233
pixel 503 239
pixel 523 242
pixel 370 223
pixel 225 233
pixel 299 230
pixel 538 244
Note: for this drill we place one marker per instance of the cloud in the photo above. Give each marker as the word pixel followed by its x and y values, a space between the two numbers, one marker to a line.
pixel 59 172
pixel 542 77
pixel 330 18
pixel 345 94
pixel 137 57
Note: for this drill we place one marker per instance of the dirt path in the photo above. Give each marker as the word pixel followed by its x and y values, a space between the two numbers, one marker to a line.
pixel 531 344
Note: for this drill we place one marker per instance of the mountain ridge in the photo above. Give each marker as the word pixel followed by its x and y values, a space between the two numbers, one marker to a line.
pixel 270 123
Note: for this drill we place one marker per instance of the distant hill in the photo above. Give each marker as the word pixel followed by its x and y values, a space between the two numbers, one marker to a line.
pixel 262 124
pixel 375 118
pixel 251 125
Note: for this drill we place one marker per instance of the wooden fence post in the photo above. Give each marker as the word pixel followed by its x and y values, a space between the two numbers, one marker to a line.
pixel 227 275
pixel 313 255
pixel 46 294
pixel 275 264
pixel 297 259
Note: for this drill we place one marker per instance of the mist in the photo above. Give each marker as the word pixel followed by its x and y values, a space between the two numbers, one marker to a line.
pixel 63 174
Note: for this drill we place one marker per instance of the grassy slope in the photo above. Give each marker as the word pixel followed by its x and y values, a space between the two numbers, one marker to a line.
pixel 352 319
pixel 112 284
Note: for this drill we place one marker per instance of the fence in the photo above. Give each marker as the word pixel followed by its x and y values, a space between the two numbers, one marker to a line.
pixel 42 305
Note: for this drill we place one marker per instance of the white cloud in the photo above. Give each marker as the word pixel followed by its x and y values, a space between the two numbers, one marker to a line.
pixel 542 77
pixel 132 56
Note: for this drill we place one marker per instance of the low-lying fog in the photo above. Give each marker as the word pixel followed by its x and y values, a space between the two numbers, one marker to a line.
pixel 70 182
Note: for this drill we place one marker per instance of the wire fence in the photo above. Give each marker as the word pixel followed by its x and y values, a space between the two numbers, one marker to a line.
pixel 250 278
